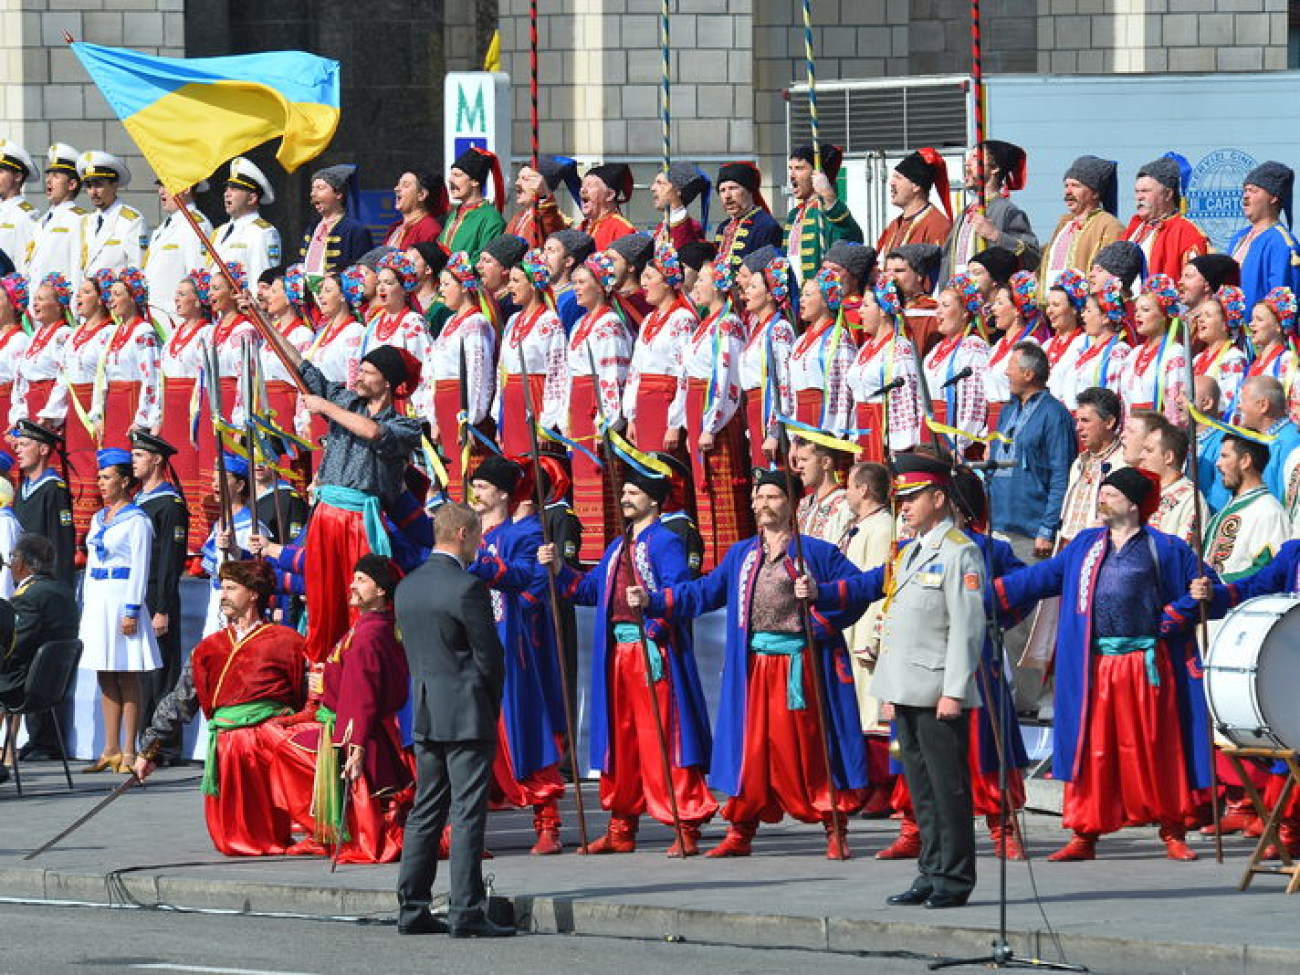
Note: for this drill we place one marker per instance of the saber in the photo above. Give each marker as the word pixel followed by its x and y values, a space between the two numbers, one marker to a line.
pixel 213 366
pixel 462 433
pixel 130 783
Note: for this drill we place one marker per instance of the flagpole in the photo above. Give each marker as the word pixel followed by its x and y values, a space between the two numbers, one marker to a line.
pixel 255 313
pixel 977 78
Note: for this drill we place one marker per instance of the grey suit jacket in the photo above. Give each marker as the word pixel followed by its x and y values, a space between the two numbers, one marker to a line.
pixel 934 627
pixel 444 616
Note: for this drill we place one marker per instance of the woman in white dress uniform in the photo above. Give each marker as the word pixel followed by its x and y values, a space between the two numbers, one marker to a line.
pixel 115 632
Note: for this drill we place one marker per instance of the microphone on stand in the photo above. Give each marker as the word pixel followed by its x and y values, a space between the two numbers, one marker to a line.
pixel 889 387
pixel 964 374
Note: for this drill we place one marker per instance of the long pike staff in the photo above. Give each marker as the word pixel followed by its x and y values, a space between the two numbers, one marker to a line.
pixel 212 375
pixel 535 454
pixel 259 384
pixel 630 565
pixel 250 429
pixel 814 124
pixel 977 81
pixel 814 658
pixel 463 434
pixel 534 131
pixel 1198 546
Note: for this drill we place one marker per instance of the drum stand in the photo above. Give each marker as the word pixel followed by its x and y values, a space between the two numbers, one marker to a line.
pixel 1272 818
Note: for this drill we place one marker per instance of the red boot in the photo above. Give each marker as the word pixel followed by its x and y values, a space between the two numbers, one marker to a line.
pixel 908 844
pixel 737 842
pixel 620 836
pixel 1006 844
pixel 546 821
pixel 1239 815
pixel 837 838
pixel 688 845
pixel 1082 847
pixel 1176 847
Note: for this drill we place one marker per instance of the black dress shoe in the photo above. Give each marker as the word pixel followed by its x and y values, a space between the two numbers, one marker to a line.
pixel 482 928
pixel 424 923
pixel 34 753
pixel 937 902
pixel 909 898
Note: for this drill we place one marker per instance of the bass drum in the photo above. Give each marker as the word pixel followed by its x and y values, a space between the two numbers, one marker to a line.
pixel 1252 674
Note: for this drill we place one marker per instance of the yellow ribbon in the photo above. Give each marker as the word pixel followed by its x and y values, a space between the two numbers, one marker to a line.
pixel 943 428
pixel 1209 421
pixel 823 439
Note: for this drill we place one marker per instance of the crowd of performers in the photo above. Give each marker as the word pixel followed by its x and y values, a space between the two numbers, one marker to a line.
pixel 639 418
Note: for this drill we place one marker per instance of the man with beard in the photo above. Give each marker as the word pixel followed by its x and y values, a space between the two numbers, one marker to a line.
pixel 749 224
pixel 1089 222
pixel 918 222
pixel 473 221
pixel 1167 238
pixel 999 222
pixel 604 191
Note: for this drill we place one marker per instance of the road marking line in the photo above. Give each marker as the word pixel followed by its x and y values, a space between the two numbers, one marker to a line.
pixel 163 966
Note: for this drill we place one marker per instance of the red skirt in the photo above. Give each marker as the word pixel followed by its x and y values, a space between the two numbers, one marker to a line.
pixel 808 406
pixel 634 783
pixel 592 501
pixel 446 410
pixel 375 824
pixel 82 470
pixel 655 394
pixel 192 462
pixel 1132 770
pixel 335 540
pixel 282 399
pixel 245 818
pixel 871 417
pixel 515 441
pixel 755 428
pixel 38 394
pixel 506 792
pixel 995 410
pixel 781 770
pixel 973 451
pixel 722 505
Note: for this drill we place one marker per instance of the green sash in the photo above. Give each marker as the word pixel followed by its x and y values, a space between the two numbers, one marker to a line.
pixel 228 718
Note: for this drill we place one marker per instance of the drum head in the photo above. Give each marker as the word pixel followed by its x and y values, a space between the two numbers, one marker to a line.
pixel 1277 681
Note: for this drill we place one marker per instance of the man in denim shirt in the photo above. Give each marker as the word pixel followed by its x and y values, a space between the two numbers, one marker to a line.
pixel 1026 496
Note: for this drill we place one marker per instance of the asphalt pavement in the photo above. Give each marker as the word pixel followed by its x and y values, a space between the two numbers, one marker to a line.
pixel 1132 911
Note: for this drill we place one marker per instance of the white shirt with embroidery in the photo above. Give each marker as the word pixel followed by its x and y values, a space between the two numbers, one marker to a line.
pixel 405 330
pixel 132 355
pixel 610 345
pixel 82 353
pixel 474 332
pixel 880 361
pixel 712 356
pixel 658 352
pixel 41 360
pixel 772 339
pixel 1154 377
pixel 541 340
pixel 820 360
pixel 966 402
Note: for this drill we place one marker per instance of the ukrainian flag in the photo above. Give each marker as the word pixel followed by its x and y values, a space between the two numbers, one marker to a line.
pixel 189 115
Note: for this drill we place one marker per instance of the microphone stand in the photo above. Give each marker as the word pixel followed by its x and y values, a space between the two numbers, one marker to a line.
pixel 1002 955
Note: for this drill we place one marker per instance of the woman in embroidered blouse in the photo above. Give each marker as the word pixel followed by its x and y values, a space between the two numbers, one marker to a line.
pixel 184 406
pixel 822 355
pixel 654 399
pixel 398 324
pixel 1155 374
pixel 38 367
pixel 1219 321
pixel 73 397
pixel 599 336
pixel 467 329
pixel 335 350
pixel 534 340
pixel 714 422
pixel 286 305
pixel 128 398
pixel 1272 321
pixel 963 404
pixel 116 635
pixel 13 339
pixel 886 355
pixel 1104 351
pixel 765 359
pixel 1015 313
pixel 232 332
pixel 1065 303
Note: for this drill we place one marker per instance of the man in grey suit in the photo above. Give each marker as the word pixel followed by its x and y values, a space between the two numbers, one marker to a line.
pixel 458 669
pixel 931 638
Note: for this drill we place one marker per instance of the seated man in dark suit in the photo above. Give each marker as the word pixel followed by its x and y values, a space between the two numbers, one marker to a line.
pixel 458 671
pixel 41 609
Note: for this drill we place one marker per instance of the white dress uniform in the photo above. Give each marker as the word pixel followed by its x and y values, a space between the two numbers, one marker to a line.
pixel 174 251
pixel 17 216
pixel 117 575
pixel 116 236
pixel 249 239
pixel 56 244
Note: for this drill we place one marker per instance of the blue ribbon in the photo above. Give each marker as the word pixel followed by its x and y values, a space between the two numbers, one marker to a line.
pixel 789 645
pixel 1119 646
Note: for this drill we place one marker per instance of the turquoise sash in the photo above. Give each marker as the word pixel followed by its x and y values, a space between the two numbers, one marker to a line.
pixel 367 505
pixel 1118 646
pixel 784 645
pixel 631 633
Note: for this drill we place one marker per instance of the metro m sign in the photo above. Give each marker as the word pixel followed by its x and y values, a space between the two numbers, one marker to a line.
pixel 476 114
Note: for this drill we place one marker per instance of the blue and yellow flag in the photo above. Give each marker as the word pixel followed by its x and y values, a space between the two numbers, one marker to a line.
pixel 189 115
